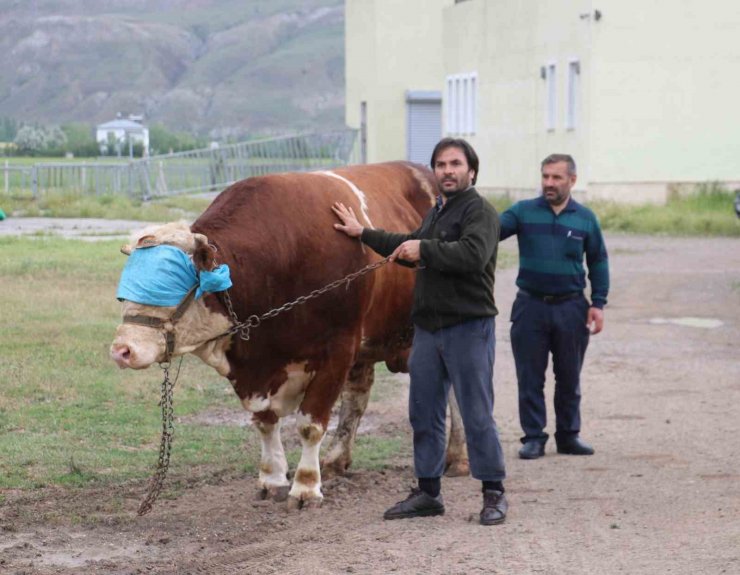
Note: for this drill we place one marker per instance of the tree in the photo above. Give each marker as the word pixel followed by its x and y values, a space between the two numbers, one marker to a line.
pixel 33 140
pixel 8 129
pixel 162 141
pixel 80 140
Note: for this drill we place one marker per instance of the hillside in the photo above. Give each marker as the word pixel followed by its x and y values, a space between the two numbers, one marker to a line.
pixel 215 67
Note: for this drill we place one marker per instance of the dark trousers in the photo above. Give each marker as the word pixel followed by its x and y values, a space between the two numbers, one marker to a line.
pixel 461 355
pixel 539 328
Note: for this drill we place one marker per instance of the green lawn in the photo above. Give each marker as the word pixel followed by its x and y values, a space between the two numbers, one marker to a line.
pixel 68 416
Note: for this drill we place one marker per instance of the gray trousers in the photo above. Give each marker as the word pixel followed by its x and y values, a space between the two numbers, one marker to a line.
pixel 461 355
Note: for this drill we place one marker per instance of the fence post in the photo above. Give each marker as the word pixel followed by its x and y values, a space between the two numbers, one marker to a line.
pixel 130 179
pixel 7 177
pixel 34 181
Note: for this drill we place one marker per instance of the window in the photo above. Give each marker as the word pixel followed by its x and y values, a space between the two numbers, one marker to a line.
pixel 574 76
pixel 461 109
pixel 551 97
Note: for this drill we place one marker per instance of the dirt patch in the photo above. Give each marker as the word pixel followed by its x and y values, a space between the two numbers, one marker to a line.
pixel 661 494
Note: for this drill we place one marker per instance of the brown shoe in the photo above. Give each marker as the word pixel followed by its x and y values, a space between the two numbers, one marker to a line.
pixel 494 509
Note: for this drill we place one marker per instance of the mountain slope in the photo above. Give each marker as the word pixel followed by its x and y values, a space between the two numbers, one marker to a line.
pixel 216 67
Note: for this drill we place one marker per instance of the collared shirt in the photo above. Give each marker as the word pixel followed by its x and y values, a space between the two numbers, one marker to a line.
pixel 552 248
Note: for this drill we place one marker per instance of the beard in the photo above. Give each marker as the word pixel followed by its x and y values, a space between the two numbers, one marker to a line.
pixel 460 185
pixel 554 196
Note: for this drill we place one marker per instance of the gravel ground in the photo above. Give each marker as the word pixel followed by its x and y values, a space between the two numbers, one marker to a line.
pixel 661 405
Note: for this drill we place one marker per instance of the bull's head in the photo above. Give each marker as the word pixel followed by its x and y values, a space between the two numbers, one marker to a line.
pixel 169 269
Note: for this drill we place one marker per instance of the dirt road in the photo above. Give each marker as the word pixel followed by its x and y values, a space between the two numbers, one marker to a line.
pixel 661 495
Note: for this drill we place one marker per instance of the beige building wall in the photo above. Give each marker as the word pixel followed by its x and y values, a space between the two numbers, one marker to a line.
pixel 665 81
pixel 656 100
pixel 391 47
pixel 507 43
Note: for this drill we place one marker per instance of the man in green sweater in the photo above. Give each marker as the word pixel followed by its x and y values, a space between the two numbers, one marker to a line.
pixel 454 331
pixel 550 313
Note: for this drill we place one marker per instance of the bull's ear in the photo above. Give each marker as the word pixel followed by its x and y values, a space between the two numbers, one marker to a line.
pixel 202 253
pixel 200 240
pixel 126 249
pixel 147 241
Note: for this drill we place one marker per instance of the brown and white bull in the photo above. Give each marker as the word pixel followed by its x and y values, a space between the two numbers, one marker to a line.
pixel 276 235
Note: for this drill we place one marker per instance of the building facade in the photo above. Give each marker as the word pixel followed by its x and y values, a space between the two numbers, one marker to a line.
pixel 123 132
pixel 640 93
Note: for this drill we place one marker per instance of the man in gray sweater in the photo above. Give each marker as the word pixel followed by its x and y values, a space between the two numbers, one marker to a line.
pixel 454 329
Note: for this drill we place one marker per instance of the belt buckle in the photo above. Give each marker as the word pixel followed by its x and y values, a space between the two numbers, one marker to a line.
pixel 549 298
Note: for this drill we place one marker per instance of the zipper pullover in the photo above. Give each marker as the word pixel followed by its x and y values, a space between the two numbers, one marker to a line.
pixel 455 277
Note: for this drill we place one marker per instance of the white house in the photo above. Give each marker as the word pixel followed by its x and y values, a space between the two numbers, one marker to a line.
pixel 642 94
pixel 122 131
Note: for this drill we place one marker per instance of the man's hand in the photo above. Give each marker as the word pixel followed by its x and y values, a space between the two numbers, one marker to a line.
pixel 408 251
pixel 595 320
pixel 349 225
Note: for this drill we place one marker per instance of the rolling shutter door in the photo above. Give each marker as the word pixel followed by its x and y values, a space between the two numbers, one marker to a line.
pixel 423 124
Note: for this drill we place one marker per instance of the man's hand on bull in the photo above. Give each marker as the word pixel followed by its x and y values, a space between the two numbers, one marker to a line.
pixel 350 225
pixel 409 251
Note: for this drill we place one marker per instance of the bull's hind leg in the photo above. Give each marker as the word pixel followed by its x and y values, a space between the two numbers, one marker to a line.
pixel 355 396
pixel 273 476
pixel 456 463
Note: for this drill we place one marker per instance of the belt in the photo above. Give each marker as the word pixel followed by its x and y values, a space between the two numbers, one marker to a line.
pixel 548 298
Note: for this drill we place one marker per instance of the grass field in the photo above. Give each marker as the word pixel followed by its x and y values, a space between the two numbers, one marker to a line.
pixel 706 212
pixel 68 416
pixel 107 207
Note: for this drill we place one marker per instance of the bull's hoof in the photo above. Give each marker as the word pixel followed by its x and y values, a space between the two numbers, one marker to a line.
pixel 294 503
pixel 276 493
pixel 280 493
pixel 336 468
pixel 458 469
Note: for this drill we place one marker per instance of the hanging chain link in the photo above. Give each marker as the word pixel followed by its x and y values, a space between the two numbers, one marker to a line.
pixel 165 445
pixel 243 327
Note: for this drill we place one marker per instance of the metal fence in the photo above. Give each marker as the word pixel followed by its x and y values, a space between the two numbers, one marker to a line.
pixel 206 170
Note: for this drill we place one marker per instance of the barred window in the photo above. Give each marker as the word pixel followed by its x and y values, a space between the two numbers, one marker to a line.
pixel 461 99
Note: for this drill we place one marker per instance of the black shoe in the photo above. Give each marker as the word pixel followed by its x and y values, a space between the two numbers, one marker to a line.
pixel 532 450
pixel 418 504
pixel 494 509
pixel 574 446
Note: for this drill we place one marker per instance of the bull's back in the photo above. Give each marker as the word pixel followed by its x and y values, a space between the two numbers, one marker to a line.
pixel 277 234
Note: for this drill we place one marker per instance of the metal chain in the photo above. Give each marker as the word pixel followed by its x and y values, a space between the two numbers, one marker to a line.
pixel 165 445
pixel 168 428
pixel 255 320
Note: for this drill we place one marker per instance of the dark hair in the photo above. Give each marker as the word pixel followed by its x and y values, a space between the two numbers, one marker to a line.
pixel 462 145
pixel 555 158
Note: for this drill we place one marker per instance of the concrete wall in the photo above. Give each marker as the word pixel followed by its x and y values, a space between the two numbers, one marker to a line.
pixel 507 42
pixel 657 97
pixel 665 81
pixel 391 47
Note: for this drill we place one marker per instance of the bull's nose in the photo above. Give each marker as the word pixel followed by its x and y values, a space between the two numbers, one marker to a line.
pixel 121 354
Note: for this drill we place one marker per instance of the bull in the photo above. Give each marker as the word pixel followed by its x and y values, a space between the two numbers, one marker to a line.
pixel 272 241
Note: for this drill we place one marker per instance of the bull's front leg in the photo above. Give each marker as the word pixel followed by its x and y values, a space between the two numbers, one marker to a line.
pixel 355 396
pixel 306 489
pixel 273 474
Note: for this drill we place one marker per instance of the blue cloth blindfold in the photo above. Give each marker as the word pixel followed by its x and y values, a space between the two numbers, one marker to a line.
pixel 163 275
